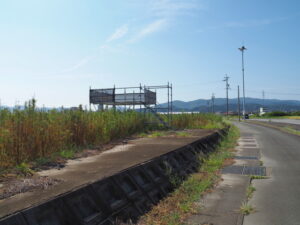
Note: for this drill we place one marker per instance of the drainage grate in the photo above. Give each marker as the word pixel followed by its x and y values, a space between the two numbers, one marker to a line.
pixel 249 145
pixel 246 157
pixel 248 140
pixel 246 170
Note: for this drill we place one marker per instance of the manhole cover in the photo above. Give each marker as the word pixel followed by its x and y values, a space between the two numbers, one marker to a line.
pixel 246 157
pixel 246 170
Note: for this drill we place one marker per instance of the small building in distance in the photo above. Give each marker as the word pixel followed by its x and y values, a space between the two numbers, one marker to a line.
pixel 262 111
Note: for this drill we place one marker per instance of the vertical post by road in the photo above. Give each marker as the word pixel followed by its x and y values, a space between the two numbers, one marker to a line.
pixel 242 49
pixel 239 108
pixel 90 99
pixel 263 96
pixel 226 78
pixel 114 98
pixel 171 104
pixel 141 98
pixel 213 103
pixel 168 104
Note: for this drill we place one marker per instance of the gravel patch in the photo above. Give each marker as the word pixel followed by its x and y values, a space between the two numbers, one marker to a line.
pixel 27 184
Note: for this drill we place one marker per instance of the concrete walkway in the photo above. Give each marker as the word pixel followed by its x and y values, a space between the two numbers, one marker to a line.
pixel 80 172
pixel 222 205
pixel 277 199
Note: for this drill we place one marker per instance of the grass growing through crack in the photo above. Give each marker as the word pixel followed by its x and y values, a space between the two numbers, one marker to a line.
pixel 246 208
pixel 257 177
pixel 181 203
pixel 250 191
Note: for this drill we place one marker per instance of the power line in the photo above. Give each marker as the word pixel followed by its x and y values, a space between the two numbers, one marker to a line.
pixel 273 93
pixel 263 96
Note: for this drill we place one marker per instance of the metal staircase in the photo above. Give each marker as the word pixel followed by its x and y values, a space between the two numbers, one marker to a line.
pixel 158 117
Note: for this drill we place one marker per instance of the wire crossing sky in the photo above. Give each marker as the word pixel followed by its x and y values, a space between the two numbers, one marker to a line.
pixel 54 50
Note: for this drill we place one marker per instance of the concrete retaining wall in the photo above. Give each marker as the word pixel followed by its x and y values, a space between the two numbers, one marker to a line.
pixel 122 197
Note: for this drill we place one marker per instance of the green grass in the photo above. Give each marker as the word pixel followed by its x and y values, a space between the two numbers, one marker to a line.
pixel 181 203
pixel 24 169
pixel 257 177
pixel 246 208
pixel 183 134
pixel 286 129
pixel 42 161
pixel 291 130
pixel 67 154
pixel 198 121
pixel 156 134
pixel 250 191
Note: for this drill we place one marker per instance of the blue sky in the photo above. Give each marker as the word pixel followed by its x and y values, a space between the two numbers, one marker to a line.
pixel 54 50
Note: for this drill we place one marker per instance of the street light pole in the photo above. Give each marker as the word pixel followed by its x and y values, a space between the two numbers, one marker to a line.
pixel 242 49
pixel 226 78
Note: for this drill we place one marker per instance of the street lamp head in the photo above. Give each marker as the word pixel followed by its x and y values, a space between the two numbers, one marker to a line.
pixel 243 48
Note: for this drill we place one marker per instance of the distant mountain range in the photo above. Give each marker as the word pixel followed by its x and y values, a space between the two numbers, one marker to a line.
pixel 252 105
pixel 204 105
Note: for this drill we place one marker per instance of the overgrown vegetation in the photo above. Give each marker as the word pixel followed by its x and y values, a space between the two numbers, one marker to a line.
pixel 281 114
pixel 174 209
pixel 29 133
pixel 198 120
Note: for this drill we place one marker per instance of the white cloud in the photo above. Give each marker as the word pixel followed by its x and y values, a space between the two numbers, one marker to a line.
pixel 243 24
pixel 119 33
pixel 249 23
pixel 167 8
pixel 81 63
pixel 149 29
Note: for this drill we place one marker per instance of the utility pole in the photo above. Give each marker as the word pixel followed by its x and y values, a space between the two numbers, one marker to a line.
pixel 213 103
pixel 226 78
pixel 263 96
pixel 242 49
pixel 239 108
pixel 208 104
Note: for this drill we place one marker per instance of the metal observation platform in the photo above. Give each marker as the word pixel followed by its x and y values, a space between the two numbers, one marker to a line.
pixel 145 97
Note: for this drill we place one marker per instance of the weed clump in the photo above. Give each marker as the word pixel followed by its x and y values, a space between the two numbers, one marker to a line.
pixel 246 208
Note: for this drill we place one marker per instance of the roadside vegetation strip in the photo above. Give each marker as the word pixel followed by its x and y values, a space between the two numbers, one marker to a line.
pixel 181 203
pixel 291 130
pixel 286 129
pixel 279 115
pixel 30 135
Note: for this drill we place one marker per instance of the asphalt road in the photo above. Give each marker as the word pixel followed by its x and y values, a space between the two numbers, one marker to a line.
pixel 289 121
pixel 277 199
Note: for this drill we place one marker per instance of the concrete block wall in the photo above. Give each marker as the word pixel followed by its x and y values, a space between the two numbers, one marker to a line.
pixel 122 197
